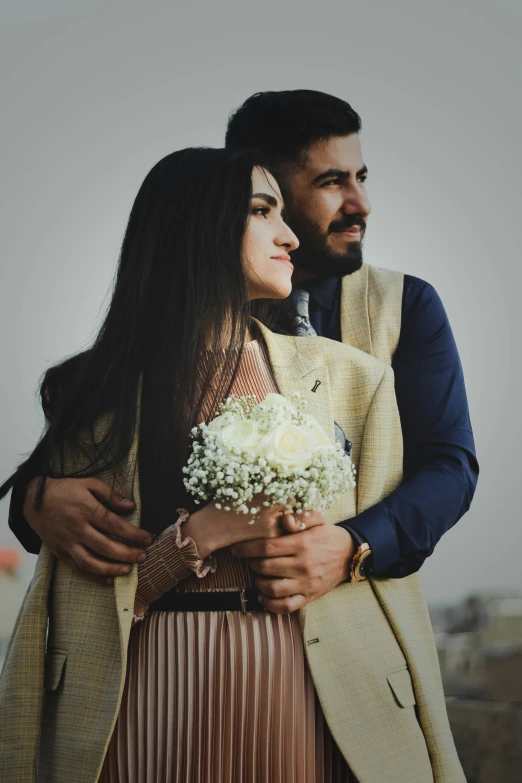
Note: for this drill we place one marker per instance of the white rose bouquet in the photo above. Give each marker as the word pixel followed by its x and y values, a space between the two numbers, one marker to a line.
pixel 274 448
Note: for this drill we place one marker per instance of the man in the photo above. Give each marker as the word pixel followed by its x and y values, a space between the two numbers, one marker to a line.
pixel 310 141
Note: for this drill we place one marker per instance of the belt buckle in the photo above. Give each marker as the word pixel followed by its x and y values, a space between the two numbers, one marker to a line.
pixel 244 600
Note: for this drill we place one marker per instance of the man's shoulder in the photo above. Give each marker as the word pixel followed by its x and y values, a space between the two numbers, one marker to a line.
pixel 380 276
pixel 416 291
pixel 411 283
pixel 378 271
pixel 421 301
pixel 417 286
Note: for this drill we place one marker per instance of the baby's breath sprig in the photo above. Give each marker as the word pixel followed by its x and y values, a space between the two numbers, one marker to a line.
pixel 241 407
pixel 300 405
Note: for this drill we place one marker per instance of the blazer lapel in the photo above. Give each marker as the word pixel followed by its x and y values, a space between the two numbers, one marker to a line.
pixel 296 371
pixel 125 586
pixel 355 318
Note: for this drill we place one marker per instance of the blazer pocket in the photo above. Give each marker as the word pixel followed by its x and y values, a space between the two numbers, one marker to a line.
pixel 402 687
pixel 54 666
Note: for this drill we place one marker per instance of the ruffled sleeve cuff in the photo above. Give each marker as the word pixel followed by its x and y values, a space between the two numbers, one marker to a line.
pixel 188 549
pixel 171 558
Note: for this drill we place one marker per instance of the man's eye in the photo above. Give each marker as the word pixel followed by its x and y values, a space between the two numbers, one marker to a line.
pixel 261 211
pixel 363 179
pixel 330 182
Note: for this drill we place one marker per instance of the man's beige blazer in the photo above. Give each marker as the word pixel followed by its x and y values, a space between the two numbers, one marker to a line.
pixel 369 646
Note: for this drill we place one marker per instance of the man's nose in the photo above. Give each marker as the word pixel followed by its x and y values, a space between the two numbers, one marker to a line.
pixel 356 201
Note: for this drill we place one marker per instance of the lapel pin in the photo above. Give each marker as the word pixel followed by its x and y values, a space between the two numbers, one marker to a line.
pixel 316 386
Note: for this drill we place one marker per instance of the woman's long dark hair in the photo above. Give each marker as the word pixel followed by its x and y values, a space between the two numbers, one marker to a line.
pixel 179 284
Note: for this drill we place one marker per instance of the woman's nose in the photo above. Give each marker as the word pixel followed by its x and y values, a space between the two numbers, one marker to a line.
pixel 289 239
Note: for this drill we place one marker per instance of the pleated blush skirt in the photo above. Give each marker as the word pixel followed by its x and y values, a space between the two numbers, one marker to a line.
pixel 220 697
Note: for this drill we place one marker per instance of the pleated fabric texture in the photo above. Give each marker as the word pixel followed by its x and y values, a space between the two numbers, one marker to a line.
pixel 220 697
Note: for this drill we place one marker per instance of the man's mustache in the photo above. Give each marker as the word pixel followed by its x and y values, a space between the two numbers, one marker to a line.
pixel 347 222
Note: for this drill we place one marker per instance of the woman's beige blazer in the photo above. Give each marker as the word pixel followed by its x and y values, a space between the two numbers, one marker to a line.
pixel 370 646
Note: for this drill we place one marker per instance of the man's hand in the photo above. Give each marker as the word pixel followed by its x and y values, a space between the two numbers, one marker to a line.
pixel 297 568
pixel 76 521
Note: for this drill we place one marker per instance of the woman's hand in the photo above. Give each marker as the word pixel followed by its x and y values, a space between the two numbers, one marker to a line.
pixel 76 521
pixel 213 528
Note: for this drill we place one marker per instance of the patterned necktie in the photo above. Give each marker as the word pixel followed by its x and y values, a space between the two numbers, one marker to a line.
pixel 302 324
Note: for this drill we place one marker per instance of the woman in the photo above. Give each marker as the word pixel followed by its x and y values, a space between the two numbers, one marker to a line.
pixel 164 678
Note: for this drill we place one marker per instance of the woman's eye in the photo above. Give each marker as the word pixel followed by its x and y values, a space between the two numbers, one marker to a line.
pixel 261 211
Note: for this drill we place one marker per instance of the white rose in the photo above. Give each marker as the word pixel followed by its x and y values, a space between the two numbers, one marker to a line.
pixel 220 422
pixel 289 445
pixel 319 435
pixel 241 436
pixel 277 402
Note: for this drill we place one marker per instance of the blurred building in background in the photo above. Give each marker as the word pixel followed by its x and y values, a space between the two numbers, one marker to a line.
pixel 12 591
pixel 479 642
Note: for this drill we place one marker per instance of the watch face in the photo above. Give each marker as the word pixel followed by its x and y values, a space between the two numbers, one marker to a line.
pixel 361 565
pixel 365 565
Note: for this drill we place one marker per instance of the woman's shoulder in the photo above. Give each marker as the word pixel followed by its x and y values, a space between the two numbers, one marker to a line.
pixel 311 351
pixel 333 348
pixel 345 362
pixel 335 352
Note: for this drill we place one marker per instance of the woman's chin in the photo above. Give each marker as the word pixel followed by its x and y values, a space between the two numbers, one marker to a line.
pixel 280 290
pixel 273 289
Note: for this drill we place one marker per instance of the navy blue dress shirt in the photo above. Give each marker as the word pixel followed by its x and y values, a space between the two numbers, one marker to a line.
pixel 440 465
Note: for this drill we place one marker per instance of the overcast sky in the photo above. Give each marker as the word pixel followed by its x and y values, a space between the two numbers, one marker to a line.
pixel 92 94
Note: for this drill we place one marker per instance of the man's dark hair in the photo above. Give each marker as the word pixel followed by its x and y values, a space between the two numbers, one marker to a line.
pixel 283 125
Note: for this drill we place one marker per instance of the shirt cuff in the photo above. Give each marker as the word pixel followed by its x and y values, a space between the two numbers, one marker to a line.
pixel 374 527
pixel 354 533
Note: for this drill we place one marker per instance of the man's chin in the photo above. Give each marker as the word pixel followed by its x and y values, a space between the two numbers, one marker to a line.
pixel 335 265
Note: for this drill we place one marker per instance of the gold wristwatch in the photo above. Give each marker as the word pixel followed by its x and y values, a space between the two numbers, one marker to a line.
pixel 361 563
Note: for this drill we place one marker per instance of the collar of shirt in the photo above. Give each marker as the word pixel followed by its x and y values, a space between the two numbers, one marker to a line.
pixel 323 291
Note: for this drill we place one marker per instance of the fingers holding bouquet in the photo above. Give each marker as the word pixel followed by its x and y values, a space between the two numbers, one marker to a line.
pixel 296 523
pixel 282 519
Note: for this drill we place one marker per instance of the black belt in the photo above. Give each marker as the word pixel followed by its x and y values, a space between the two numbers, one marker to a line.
pixel 223 601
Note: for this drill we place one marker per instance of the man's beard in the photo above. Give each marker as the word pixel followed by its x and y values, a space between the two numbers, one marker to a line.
pixel 313 254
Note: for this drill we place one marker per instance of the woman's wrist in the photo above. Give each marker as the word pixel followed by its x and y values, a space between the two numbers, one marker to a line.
pixel 212 529
pixel 197 529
